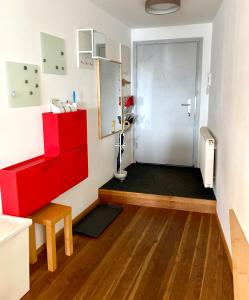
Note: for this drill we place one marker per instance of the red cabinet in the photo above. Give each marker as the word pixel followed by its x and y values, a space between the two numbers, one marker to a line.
pixel 29 185
pixel 64 132
pixel 74 167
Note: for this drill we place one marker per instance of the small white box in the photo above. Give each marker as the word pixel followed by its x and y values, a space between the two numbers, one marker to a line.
pixel 14 257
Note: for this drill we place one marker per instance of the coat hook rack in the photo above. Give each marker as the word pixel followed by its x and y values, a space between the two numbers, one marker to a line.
pixel 125 82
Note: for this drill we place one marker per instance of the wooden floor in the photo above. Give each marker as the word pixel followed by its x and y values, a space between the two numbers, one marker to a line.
pixel 147 253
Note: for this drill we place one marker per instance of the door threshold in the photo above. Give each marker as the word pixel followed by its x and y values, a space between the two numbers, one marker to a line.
pixel 159 201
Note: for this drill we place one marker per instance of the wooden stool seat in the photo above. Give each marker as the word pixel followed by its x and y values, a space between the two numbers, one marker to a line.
pixel 49 216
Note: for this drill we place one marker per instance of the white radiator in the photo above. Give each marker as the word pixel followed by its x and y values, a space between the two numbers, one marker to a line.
pixel 207 145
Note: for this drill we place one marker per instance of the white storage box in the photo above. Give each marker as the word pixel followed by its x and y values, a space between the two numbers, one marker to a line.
pixel 14 257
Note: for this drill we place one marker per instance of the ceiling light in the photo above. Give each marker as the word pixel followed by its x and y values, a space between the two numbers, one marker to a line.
pixel 161 7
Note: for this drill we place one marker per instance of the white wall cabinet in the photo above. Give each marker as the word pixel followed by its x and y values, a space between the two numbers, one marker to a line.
pixel 91 44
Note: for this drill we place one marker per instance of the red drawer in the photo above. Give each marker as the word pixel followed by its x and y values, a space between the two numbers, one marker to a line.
pixel 73 167
pixel 64 132
pixel 28 186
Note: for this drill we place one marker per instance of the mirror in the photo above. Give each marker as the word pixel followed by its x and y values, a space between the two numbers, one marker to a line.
pixel 99 44
pixel 109 97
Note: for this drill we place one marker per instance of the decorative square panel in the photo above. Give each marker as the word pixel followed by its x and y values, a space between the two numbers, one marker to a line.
pixel 23 84
pixel 53 54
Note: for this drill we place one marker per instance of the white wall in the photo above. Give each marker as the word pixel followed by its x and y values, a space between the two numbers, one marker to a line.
pixel 183 32
pixel 126 91
pixel 229 111
pixel 21 128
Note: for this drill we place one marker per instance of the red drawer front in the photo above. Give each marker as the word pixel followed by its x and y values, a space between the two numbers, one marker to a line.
pixel 30 185
pixel 64 132
pixel 74 167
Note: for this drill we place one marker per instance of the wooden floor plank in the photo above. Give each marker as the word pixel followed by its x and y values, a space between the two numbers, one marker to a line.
pixel 185 261
pixel 215 258
pixel 197 268
pixel 162 259
pixel 167 287
pixel 146 253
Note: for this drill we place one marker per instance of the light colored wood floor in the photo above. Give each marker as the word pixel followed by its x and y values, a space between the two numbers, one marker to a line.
pixel 147 253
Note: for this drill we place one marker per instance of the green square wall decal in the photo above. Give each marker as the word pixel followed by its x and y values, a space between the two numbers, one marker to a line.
pixel 53 54
pixel 23 84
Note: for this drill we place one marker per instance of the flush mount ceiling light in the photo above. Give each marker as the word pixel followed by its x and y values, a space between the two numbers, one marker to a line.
pixel 161 7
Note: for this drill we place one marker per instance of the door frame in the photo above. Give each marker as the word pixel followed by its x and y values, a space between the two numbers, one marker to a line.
pixel 196 127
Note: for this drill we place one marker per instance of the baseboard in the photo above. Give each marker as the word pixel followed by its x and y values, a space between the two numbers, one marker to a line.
pixel 228 253
pixel 240 255
pixel 160 201
pixel 75 220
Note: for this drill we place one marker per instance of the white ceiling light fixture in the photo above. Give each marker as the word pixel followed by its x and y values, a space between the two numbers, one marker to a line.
pixel 162 7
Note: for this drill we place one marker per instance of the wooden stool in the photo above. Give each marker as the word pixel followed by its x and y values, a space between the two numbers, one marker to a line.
pixel 49 216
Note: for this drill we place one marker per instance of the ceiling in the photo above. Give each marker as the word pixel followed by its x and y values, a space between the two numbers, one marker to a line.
pixel 132 13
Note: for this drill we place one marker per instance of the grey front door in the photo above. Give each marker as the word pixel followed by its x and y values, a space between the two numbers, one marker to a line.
pixel 166 101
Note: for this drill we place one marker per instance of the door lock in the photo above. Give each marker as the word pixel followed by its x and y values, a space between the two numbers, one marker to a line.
pixel 188 105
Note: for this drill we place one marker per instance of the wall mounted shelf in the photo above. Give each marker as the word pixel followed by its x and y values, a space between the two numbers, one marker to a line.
pixel 91 44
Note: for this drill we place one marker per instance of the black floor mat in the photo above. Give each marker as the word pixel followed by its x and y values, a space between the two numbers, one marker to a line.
pixel 162 180
pixel 97 220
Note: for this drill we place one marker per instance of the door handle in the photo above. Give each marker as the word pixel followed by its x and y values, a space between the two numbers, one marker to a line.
pixel 188 105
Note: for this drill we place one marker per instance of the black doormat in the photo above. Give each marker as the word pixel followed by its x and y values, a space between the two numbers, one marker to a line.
pixel 94 223
pixel 162 180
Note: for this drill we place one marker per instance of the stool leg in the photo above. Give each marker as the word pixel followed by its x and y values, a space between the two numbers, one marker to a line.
pixel 51 246
pixel 68 236
pixel 32 244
